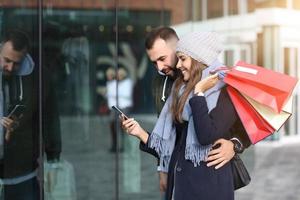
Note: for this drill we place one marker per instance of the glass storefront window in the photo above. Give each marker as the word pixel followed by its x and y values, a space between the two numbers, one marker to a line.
pixel 20 130
pixel 90 43
pixel 85 48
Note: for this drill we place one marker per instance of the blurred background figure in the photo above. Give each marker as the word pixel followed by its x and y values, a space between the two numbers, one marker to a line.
pixel 119 92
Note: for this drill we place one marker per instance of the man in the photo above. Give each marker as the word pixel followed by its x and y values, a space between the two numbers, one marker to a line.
pixel 125 89
pixel 20 137
pixel 160 46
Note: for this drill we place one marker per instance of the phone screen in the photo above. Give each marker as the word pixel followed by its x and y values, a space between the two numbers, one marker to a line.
pixel 120 111
pixel 17 111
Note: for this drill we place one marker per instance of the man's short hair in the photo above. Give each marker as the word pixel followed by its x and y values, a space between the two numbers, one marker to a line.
pixel 19 39
pixel 164 33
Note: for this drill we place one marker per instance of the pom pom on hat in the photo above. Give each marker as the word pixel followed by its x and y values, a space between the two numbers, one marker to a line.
pixel 202 46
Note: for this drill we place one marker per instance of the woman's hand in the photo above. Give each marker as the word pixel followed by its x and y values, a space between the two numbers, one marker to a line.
pixel 207 83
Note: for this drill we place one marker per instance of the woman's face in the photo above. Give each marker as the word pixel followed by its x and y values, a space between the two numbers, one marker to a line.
pixel 184 64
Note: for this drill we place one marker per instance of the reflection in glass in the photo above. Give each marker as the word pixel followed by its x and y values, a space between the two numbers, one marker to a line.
pixel 19 136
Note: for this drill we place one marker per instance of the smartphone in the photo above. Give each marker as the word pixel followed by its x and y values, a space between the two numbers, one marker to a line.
pixel 17 111
pixel 120 111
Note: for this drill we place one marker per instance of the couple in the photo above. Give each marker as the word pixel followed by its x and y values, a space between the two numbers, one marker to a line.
pixel 197 113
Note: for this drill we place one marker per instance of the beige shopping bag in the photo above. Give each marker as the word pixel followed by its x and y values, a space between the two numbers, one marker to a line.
pixel 276 120
pixel 59 181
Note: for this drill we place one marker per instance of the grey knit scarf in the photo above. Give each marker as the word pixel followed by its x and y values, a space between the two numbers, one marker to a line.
pixel 163 136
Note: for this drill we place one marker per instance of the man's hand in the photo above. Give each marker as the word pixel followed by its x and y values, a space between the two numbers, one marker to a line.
pixel 133 128
pixel 221 155
pixel 10 125
pixel 163 177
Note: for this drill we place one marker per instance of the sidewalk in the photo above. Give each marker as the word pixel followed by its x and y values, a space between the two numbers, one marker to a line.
pixel 275 173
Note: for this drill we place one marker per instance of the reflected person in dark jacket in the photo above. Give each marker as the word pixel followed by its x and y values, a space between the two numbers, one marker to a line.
pixel 20 143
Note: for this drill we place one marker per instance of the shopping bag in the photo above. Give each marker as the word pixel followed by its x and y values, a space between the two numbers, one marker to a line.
pixel 265 86
pixel 59 181
pixel 276 120
pixel 256 127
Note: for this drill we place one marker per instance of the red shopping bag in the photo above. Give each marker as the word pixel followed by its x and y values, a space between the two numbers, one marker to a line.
pixel 276 120
pixel 265 86
pixel 256 127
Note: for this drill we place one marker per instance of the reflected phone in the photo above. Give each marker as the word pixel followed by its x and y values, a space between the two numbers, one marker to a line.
pixel 17 111
pixel 120 111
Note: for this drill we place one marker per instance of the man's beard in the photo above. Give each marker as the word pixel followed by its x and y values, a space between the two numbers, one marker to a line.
pixel 167 71
pixel 5 73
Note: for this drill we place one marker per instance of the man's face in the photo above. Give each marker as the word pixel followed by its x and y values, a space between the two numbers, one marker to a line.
pixel 163 56
pixel 9 58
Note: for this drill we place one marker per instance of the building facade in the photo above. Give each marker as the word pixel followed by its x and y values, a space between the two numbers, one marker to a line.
pixel 266 33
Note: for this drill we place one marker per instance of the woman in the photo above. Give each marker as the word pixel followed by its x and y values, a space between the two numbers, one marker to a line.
pixel 196 114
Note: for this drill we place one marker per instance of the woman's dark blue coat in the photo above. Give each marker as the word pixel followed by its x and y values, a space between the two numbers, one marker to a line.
pixel 187 182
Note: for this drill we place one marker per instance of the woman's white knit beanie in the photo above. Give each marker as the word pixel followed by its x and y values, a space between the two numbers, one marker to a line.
pixel 204 47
